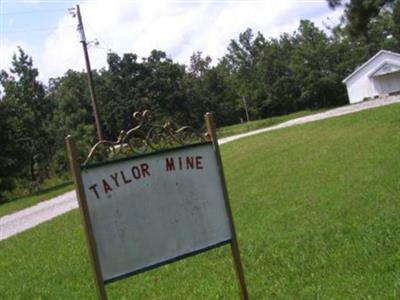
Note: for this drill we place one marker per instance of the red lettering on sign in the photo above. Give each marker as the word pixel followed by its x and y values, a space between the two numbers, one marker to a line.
pixel 199 165
pixel 136 172
pixel 107 187
pixel 93 188
pixel 180 162
pixel 145 169
pixel 170 164
pixel 114 177
pixel 124 178
pixel 190 162
pixel 184 163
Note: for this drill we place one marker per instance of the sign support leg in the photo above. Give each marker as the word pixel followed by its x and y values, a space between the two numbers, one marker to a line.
pixel 76 172
pixel 209 118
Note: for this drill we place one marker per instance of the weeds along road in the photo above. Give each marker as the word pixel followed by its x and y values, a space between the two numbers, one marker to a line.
pixel 30 217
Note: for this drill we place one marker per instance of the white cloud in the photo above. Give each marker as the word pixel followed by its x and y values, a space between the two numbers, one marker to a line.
pixel 7 50
pixel 176 27
pixel 62 50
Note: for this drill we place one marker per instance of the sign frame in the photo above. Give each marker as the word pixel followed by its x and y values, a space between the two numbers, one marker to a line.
pixel 88 227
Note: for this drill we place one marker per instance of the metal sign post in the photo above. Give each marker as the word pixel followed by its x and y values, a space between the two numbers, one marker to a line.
pixel 144 211
pixel 209 118
pixel 91 243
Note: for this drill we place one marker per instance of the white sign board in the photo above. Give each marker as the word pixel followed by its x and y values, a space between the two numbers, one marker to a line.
pixel 152 209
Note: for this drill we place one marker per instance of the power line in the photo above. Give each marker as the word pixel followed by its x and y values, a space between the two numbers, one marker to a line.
pixel 100 48
pixel 98 37
pixel 101 41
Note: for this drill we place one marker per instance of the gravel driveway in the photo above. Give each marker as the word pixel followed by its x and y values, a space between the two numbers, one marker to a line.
pixel 32 216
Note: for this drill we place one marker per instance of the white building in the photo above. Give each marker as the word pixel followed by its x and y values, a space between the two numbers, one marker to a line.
pixel 380 75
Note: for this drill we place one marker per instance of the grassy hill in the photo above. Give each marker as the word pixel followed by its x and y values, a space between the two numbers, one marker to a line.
pixel 317 212
pixel 263 123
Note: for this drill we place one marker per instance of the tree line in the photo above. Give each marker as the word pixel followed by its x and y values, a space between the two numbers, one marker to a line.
pixel 276 76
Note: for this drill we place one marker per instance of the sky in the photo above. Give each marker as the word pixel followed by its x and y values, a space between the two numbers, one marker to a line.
pixel 46 30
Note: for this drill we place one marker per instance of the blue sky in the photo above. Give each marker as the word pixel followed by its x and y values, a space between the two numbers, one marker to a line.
pixel 47 32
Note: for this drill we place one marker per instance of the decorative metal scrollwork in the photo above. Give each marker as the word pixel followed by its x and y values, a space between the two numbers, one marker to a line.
pixel 145 137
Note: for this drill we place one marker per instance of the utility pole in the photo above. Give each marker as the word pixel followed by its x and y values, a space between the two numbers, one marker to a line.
pixel 89 72
pixel 245 108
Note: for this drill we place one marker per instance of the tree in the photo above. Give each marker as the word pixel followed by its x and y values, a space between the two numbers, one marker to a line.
pixel 209 89
pixel 11 156
pixel 362 16
pixel 163 86
pixel 313 64
pixel 72 115
pixel 29 114
pixel 199 65
pixel 243 59
pixel 121 94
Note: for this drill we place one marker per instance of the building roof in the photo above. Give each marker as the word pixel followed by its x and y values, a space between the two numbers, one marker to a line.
pixel 368 62
pixel 386 67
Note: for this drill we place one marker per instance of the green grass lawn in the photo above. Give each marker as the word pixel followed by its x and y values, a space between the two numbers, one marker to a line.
pixel 253 125
pixel 316 208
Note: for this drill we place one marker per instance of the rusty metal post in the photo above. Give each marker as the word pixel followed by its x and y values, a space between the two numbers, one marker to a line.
pixel 209 118
pixel 90 241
